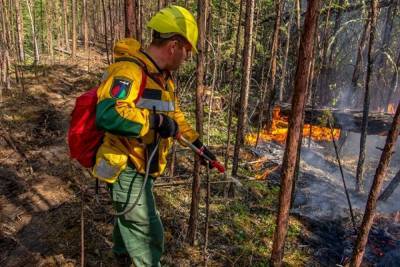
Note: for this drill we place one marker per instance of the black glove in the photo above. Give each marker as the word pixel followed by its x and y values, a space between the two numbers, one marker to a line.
pixel 167 128
pixel 206 152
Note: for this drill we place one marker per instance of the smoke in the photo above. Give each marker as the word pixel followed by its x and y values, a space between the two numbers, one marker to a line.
pixel 320 192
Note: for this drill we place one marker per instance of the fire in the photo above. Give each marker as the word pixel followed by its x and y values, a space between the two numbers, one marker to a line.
pixel 391 109
pixel 279 129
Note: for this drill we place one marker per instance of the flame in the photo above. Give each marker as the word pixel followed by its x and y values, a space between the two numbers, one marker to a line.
pixel 391 109
pixel 279 130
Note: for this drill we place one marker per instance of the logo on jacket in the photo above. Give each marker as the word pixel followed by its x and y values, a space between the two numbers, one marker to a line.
pixel 120 88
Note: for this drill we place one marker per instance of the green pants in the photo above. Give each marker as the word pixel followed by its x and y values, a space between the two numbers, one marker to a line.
pixel 140 232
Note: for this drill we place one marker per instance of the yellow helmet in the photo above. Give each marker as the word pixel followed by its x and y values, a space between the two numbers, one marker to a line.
pixel 176 19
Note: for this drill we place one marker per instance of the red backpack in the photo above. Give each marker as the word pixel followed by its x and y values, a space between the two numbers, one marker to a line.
pixel 83 136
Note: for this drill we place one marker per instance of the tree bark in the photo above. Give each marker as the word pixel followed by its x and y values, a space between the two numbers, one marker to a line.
pixel 360 50
pixel 73 54
pixel 370 208
pixel 85 26
pixel 244 92
pixel 49 11
pixel 33 28
pixel 283 76
pixel 20 31
pixel 66 38
pixel 269 94
pixel 131 18
pixel 364 125
pixel 105 30
pixel 295 121
pixel 231 75
pixel 202 6
pixel 390 187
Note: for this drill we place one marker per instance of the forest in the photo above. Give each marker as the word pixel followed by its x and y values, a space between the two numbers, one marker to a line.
pixel 298 99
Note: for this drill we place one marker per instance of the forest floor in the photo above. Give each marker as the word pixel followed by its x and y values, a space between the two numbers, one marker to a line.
pixel 41 191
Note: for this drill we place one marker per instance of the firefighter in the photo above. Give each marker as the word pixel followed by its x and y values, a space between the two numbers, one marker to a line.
pixel 137 106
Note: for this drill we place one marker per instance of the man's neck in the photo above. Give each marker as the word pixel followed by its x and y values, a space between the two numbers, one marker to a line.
pixel 157 56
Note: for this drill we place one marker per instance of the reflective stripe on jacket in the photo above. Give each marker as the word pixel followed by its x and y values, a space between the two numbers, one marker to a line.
pixel 125 115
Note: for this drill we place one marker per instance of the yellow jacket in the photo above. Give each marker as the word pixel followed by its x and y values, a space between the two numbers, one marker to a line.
pixel 125 115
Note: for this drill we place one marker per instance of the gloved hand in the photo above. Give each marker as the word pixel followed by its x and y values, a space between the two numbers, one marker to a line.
pixel 206 152
pixel 164 125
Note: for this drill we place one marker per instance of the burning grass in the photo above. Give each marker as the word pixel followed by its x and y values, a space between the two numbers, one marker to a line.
pixel 279 130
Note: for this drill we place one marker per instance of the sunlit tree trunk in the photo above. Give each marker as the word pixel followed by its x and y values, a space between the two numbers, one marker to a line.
pixel 34 37
pixel 380 173
pixel 65 12
pixel 245 88
pixel 85 25
pixel 50 24
pixel 105 30
pixel 74 40
pixel 20 30
pixel 131 21
pixel 202 6
pixel 295 122
pixel 364 125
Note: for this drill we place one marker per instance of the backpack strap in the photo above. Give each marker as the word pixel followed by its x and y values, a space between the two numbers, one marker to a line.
pixel 143 66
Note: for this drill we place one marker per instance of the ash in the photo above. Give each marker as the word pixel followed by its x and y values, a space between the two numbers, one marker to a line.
pixel 320 201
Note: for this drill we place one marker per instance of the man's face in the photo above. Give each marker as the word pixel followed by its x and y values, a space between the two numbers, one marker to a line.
pixel 179 53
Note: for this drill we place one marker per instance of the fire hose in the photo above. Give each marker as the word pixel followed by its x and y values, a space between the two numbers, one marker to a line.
pixel 213 163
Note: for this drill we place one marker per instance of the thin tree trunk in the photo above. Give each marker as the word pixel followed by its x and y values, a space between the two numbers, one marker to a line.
pixel 105 30
pixel 139 31
pixel 33 28
pixel 131 18
pixel 244 92
pixel 360 51
pixel 364 124
pixel 231 74
pixel 65 11
pixel 110 15
pixel 202 6
pixel 394 183
pixel 298 21
pixel 283 76
pixel 370 208
pixel 73 54
pixel 20 31
pixel 295 122
pixel 269 94
pixel 85 26
pixel 395 82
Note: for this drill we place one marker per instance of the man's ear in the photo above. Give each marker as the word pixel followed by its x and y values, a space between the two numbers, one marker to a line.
pixel 172 46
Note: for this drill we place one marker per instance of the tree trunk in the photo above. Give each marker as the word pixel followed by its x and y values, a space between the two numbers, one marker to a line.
pixel 394 83
pixel 360 50
pixel 387 33
pixel 20 30
pixel 65 11
pixel 111 17
pixel 130 19
pixel 269 94
pixel 390 188
pixel 202 6
pixel 49 11
pixel 283 76
pixel 295 122
pixel 370 208
pixel 73 54
pixel 34 38
pixel 231 74
pixel 244 92
pixel 139 20
pixel 364 124
pixel 85 26
pixel 161 4
pixel 105 30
